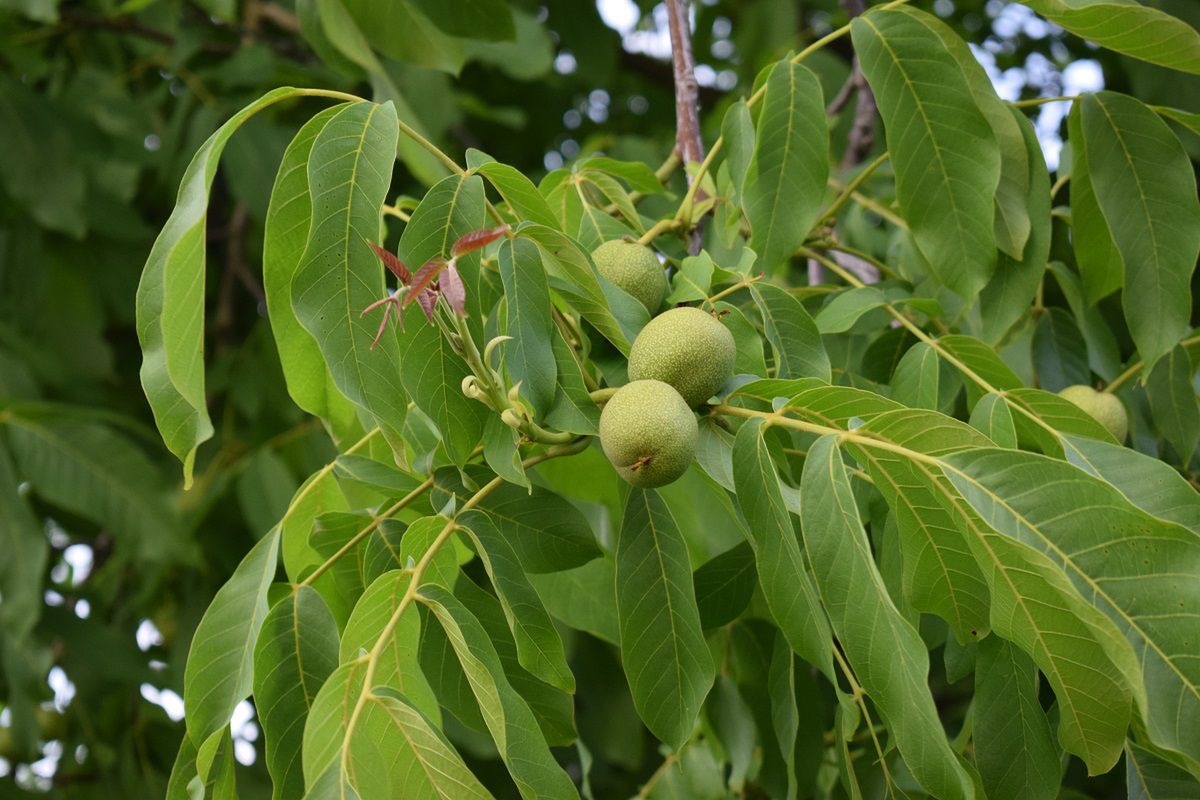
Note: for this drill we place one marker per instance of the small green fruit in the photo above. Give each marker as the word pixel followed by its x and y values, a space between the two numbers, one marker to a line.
pixel 648 433
pixel 687 348
pixel 635 269
pixel 1104 408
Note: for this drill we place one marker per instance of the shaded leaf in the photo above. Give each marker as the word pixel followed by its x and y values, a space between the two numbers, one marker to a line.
pixel 663 652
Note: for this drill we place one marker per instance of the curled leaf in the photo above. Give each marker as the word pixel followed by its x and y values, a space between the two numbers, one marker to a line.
pixel 452 288
pixel 424 281
pixel 427 300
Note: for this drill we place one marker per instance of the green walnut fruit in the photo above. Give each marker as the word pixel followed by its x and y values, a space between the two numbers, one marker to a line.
pixel 634 268
pixel 1104 408
pixel 689 349
pixel 648 433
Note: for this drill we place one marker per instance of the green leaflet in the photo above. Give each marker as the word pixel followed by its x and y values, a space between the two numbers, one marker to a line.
pixel 939 572
pixel 530 355
pixel 1113 553
pixel 296 651
pixel 1014 744
pixel 1013 285
pixel 945 155
pixel 170 300
pixel 1127 27
pixel 349 172
pixel 507 715
pixel 785 181
pixel 1173 403
pixel 289 218
pixel 1150 484
pixel 781 568
pixel 885 651
pixel 538 644
pixel 1099 261
pixel 1013 211
pixel 1149 776
pixel 91 469
pixel 220 663
pixel 519 192
pixel 1146 190
pixel 663 651
pixel 794 337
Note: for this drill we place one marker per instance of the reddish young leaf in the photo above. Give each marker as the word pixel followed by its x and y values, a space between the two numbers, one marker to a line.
pixel 392 262
pixel 452 288
pixel 477 239
pixel 425 277
pixel 427 300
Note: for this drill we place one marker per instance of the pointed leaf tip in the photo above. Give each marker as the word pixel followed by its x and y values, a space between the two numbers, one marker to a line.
pixel 477 239
pixel 393 263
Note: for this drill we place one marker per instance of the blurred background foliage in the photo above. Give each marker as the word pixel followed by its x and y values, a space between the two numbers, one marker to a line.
pixel 102 104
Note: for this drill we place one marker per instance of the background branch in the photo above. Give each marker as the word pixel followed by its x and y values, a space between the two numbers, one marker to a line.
pixel 687 98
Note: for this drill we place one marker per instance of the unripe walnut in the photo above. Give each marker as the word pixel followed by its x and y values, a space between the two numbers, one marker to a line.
pixel 689 349
pixel 1102 407
pixel 648 433
pixel 635 269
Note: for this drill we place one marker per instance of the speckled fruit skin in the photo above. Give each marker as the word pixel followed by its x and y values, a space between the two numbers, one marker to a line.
pixel 634 268
pixel 1104 408
pixel 647 424
pixel 687 348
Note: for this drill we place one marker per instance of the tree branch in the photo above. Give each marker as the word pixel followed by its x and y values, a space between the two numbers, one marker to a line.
pixel 688 143
pixel 862 131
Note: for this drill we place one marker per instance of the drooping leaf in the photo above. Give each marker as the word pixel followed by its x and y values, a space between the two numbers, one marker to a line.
pixel 794 337
pixel 1033 604
pixel 1014 744
pixel 945 154
pixel 398 751
pixel 1173 403
pixel 782 574
pixel 1014 283
pixel 666 661
pixel 1147 192
pixel 1100 263
pixel 539 646
pixel 508 717
pixel 885 651
pixel 1113 553
pixel 530 356
pixel 939 572
pixel 296 651
pixel 289 218
pixel 785 180
pixel 220 665
pixel 1059 352
pixel 1150 484
pixel 724 585
pixel 553 708
pixel 349 174
pixel 170 300
pixel 89 468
